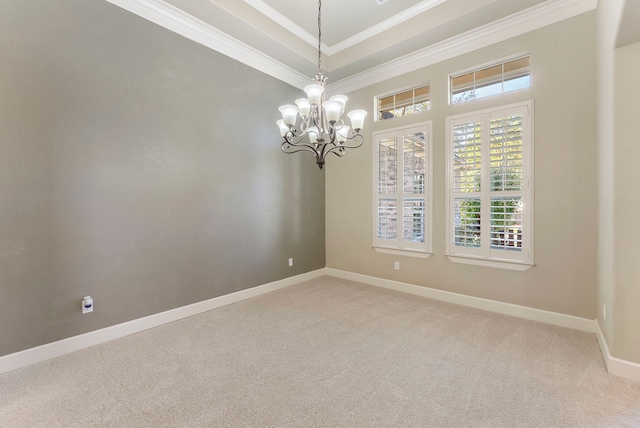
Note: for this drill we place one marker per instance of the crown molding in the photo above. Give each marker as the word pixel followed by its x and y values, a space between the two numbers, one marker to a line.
pixel 311 39
pixel 383 26
pixel 536 17
pixel 180 22
pixel 287 24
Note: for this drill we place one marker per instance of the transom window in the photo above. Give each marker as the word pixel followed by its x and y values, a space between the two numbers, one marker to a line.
pixel 404 102
pixel 493 80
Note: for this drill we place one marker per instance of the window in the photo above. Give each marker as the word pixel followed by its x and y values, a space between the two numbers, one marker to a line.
pixel 490 204
pixel 403 103
pixel 402 191
pixel 496 79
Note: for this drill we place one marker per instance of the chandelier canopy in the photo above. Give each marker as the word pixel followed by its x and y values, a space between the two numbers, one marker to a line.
pixel 321 130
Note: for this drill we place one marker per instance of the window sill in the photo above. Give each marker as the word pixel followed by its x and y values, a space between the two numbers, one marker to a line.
pixel 496 264
pixel 420 254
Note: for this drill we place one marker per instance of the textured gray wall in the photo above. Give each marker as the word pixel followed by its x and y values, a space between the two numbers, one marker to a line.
pixel 140 168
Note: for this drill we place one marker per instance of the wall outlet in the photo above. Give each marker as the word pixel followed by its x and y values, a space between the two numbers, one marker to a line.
pixel 87 304
pixel 396 265
pixel 604 311
pixel 291 262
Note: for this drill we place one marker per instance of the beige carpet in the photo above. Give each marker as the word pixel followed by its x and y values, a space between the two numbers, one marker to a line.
pixel 329 353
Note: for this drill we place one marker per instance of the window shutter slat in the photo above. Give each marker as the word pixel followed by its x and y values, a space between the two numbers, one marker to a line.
pixel 413 163
pixel 467 157
pixel 506 153
pixel 506 223
pixel 387 166
pixel 388 219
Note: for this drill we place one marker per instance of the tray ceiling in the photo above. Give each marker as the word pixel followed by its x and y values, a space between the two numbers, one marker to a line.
pixel 363 40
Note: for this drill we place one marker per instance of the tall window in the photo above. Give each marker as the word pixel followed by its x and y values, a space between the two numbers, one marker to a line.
pixel 402 190
pixel 490 204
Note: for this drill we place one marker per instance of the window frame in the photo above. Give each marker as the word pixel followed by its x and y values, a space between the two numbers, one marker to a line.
pixel 484 254
pixel 399 246
pixel 377 98
pixel 479 68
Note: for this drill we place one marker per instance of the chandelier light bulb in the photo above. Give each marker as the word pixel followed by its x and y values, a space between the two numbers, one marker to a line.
pixel 357 119
pixel 289 114
pixel 343 99
pixel 332 110
pixel 304 106
pixel 342 134
pixel 313 133
pixel 283 128
pixel 314 93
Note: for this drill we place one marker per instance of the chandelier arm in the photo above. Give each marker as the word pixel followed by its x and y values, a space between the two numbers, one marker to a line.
pixel 337 150
pixel 357 144
pixel 296 141
pixel 316 124
pixel 286 148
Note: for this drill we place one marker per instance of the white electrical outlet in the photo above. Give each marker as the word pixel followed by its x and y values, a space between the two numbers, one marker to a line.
pixel 87 304
pixel 396 265
pixel 291 262
pixel 604 311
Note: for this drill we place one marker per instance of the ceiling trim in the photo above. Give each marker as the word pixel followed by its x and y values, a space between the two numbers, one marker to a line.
pixel 180 22
pixel 514 25
pixel 286 23
pixel 372 31
pixel 384 25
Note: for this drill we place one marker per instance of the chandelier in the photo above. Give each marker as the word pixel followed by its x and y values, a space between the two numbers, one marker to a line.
pixel 321 130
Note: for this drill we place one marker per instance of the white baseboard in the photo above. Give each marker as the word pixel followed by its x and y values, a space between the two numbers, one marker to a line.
pixel 548 317
pixel 55 349
pixel 616 366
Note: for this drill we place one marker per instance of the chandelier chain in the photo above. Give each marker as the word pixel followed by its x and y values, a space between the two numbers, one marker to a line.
pixel 321 130
pixel 319 36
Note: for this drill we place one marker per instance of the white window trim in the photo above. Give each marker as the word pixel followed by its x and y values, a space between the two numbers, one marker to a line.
pixel 407 252
pixel 425 250
pixel 478 258
pixel 376 99
pixel 482 66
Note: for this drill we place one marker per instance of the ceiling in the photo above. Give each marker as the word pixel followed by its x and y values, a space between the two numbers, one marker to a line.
pixel 629 31
pixel 363 41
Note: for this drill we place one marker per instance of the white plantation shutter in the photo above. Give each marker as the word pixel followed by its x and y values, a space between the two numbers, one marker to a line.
pixel 506 153
pixel 387 214
pixel 387 165
pixel 467 157
pixel 506 182
pixel 467 230
pixel 467 183
pixel 402 208
pixel 413 169
pixel 388 219
pixel 490 197
pixel 413 220
pixel 506 223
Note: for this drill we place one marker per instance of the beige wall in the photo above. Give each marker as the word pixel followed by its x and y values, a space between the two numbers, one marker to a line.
pixel 626 176
pixel 140 168
pixel 618 130
pixel 563 89
pixel 608 19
